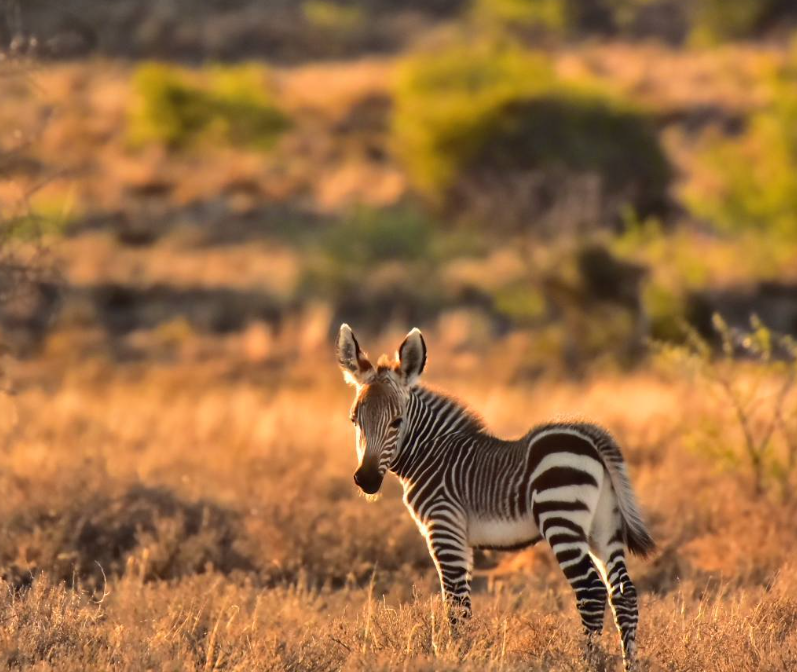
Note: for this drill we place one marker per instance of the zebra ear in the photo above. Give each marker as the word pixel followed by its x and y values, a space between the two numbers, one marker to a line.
pixel 352 360
pixel 412 357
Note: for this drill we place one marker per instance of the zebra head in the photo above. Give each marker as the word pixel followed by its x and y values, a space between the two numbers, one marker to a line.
pixel 380 401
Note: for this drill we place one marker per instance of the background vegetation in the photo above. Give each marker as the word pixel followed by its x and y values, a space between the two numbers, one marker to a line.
pixel 589 207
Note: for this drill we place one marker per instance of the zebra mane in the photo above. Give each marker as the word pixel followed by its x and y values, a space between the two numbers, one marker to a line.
pixel 471 420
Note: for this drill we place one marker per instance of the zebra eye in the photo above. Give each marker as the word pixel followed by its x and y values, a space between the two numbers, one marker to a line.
pixel 396 423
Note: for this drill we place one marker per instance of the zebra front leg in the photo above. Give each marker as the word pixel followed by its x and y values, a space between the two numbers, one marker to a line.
pixel 585 580
pixel 454 561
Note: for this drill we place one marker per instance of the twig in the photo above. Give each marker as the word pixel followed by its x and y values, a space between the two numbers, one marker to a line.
pixel 369 610
pixel 105 591
pixel 343 644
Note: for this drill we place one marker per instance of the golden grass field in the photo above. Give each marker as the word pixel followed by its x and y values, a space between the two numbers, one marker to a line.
pixel 204 517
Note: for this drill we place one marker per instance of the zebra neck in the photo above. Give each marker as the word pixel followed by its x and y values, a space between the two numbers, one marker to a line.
pixel 430 415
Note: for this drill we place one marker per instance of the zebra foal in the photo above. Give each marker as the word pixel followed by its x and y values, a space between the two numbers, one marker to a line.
pixel 466 489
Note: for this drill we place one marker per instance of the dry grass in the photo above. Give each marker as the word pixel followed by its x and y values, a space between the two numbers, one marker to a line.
pixel 197 518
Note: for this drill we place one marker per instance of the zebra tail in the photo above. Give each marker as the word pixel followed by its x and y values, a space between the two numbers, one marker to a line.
pixel 637 536
pixel 635 533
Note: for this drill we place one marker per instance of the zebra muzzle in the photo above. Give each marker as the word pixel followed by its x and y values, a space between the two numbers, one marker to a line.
pixel 368 480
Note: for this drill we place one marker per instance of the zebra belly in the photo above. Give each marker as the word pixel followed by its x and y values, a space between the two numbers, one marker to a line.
pixel 502 533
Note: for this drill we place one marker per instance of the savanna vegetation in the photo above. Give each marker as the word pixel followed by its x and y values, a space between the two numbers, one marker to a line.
pixel 588 207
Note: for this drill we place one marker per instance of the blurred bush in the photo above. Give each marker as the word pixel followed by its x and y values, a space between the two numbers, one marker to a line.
pixel 180 108
pixel 369 263
pixel 338 30
pixel 449 105
pixel 332 17
pixel 532 19
pixel 719 20
pixel 369 237
pixel 754 177
pixel 704 22
pixel 677 266
pixel 473 121
pixel 750 379
pixel 374 265
pixel 521 303
pixel 694 272
pixel 535 16
pixel 45 215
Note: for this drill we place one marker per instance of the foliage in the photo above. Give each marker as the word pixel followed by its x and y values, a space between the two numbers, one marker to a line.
pixel 624 13
pixel 704 22
pixel 333 17
pixel 521 302
pixel 375 264
pixel 32 226
pixel 684 261
pixel 180 108
pixel 493 107
pixel 449 105
pixel 753 378
pixel 755 175
pixel 546 15
pixel 665 310
pixel 718 20
pixel 368 237
pixel 373 255
pixel 44 213
pixel 28 220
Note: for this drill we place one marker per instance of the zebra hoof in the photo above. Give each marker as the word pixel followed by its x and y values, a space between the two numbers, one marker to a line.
pixel 457 618
pixel 594 656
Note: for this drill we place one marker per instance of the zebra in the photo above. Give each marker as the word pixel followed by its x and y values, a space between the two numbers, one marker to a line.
pixel 467 489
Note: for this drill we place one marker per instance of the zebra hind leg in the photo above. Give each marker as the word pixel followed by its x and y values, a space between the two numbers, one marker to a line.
pixel 572 552
pixel 608 548
pixel 622 597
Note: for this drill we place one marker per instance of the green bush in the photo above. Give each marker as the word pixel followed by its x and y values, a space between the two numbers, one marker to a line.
pixel 375 266
pixel 561 16
pixel 332 17
pixel 666 311
pixel 545 15
pixel 530 18
pixel 495 109
pixel 754 185
pixel 350 251
pixel 181 108
pixel 719 20
pixel 370 237
pixel 449 104
pixel 703 22
pixel 520 302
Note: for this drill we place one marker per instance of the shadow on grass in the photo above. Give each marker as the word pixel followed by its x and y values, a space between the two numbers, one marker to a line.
pixel 99 536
